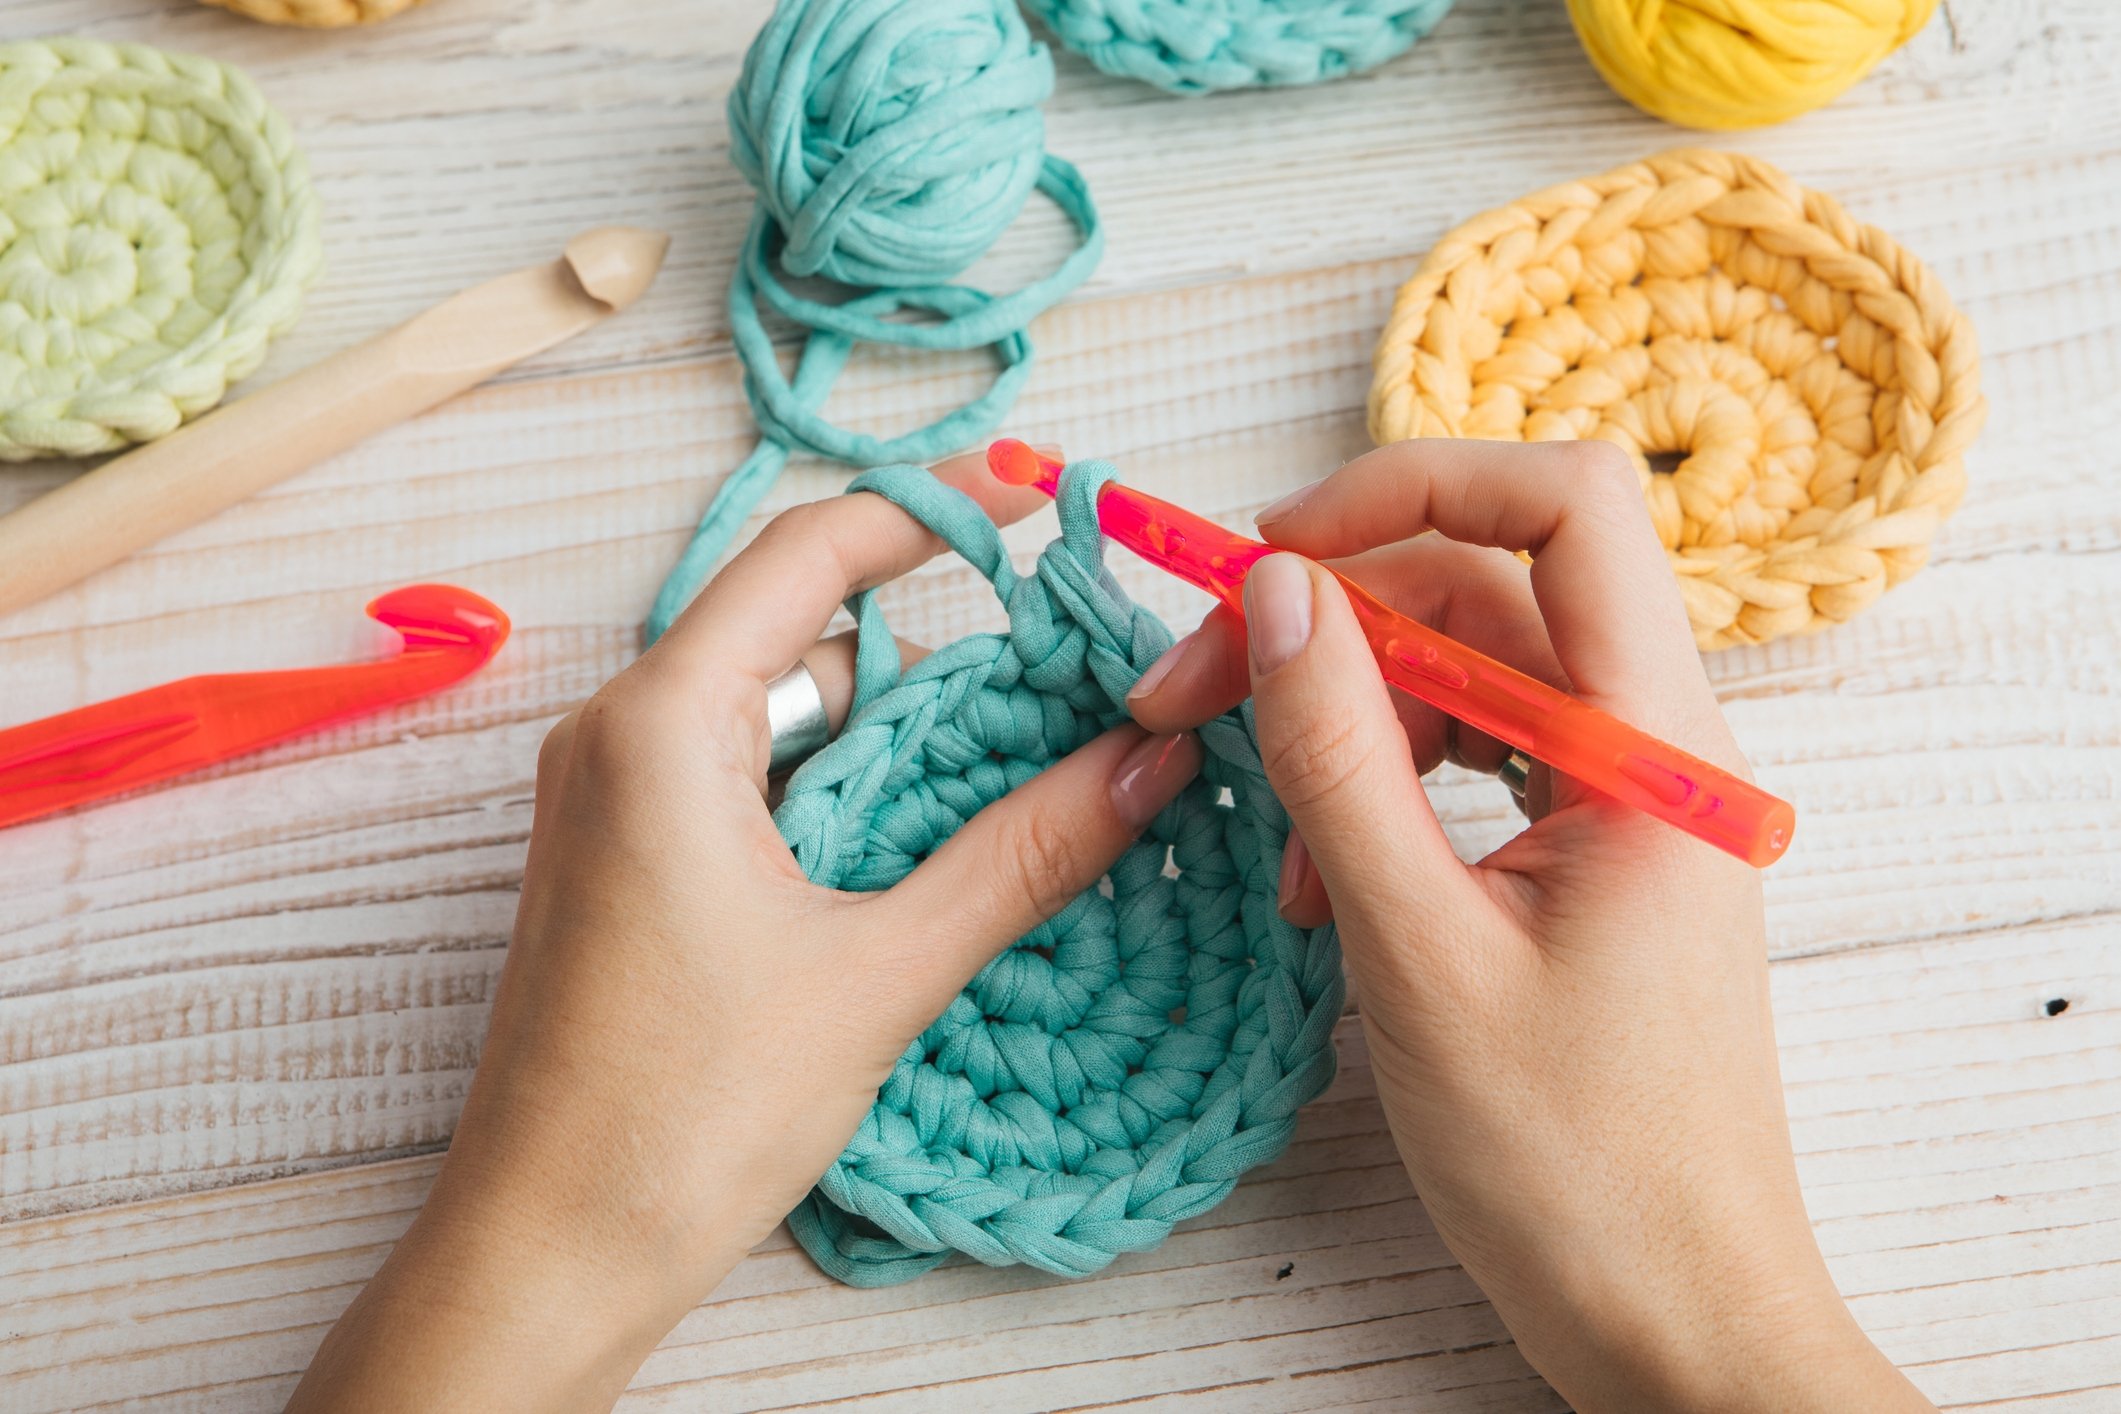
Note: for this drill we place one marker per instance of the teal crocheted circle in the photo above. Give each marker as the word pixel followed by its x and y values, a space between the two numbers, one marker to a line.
pixel 1204 46
pixel 1118 1068
pixel 891 143
pixel 157 230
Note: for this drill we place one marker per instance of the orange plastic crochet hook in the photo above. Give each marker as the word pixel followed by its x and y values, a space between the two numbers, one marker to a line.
pixel 1549 725
pixel 181 726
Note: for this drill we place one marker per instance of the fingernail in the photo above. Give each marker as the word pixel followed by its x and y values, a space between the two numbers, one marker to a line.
pixel 1153 772
pixel 1159 670
pixel 1295 859
pixel 1287 503
pixel 1277 611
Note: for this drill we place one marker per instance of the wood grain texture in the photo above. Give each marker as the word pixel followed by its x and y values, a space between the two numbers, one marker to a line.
pixel 282 967
pixel 1955 1141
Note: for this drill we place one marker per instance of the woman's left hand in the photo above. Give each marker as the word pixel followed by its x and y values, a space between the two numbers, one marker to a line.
pixel 687 1030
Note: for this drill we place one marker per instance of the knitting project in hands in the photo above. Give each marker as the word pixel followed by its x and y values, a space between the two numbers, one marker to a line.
pixel 1118 1068
pixel 157 229
pixel 890 145
pixel 1203 46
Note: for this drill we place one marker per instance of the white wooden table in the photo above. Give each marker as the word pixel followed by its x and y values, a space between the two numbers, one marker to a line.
pixel 238 1014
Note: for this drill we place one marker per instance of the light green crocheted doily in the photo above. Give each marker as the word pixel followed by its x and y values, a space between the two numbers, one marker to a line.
pixel 157 229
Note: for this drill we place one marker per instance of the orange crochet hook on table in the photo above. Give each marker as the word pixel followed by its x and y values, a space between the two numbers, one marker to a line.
pixel 182 726
pixel 1579 741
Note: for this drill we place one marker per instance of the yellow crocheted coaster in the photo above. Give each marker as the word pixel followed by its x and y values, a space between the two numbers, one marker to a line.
pixel 1816 377
pixel 157 228
pixel 316 14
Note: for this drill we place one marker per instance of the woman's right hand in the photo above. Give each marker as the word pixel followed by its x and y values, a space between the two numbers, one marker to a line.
pixel 1571 1038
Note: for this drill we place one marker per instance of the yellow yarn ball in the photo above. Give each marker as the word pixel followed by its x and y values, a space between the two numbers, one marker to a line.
pixel 1740 63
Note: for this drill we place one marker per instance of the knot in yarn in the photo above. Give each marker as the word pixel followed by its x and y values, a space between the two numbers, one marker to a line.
pixel 157 229
pixel 891 144
pixel 316 14
pixel 1814 378
pixel 1115 1070
pixel 1740 63
pixel 1204 46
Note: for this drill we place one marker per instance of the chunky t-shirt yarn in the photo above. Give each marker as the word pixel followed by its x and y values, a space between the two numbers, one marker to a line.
pixel 890 146
pixel 1116 1070
pixel 1815 379
pixel 1740 63
pixel 157 229
pixel 1203 46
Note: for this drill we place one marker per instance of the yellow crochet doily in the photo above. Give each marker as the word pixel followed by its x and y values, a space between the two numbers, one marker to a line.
pixel 1815 377
pixel 317 14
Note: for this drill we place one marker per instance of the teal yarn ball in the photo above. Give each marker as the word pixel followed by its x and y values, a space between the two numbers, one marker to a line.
pixel 1204 46
pixel 1117 1069
pixel 891 143
pixel 952 86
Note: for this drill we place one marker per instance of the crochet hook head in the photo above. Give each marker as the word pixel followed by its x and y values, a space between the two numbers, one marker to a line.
pixel 1020 464
pixel 442 615
pixel 614 265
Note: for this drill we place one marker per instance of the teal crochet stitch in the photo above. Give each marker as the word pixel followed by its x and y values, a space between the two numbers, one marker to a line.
pixel 1116 1070
pixel 891 142
pixel 1202 46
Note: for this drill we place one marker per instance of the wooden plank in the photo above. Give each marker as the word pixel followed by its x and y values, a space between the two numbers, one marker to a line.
pixel 1961 1152
pixel 282 967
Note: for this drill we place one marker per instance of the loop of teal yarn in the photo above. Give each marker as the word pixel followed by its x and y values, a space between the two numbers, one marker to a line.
pixel 1204 46
pixel 891 143
pixel 1117 1069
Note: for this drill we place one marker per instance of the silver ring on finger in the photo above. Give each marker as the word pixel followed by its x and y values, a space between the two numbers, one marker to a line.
pixel 1515 772
pixel 795 719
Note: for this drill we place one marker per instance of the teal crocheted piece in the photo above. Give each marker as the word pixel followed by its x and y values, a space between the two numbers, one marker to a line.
pixel 891 144
pixel 1203 46
pixel 157 229
pixel 1116 1070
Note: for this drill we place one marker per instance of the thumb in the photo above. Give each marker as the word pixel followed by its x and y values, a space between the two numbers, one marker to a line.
pixel 1336 754
pixel 1020 860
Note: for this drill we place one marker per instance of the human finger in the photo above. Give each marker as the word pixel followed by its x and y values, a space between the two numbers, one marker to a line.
pixel 1611 605
pixel 1301 895
pixel 768 606
pixel 831 665
pixel 1478 596
pixel 1020 860
pixel 1198 678
pixel 772 602
pixel 1335 753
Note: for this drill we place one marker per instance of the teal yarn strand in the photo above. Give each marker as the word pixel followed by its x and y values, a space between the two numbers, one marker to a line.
pixel 1204 46
pixel 891 143
pixel 1117 1069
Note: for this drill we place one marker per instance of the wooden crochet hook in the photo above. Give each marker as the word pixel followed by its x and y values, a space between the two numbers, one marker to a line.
pixel 237 450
